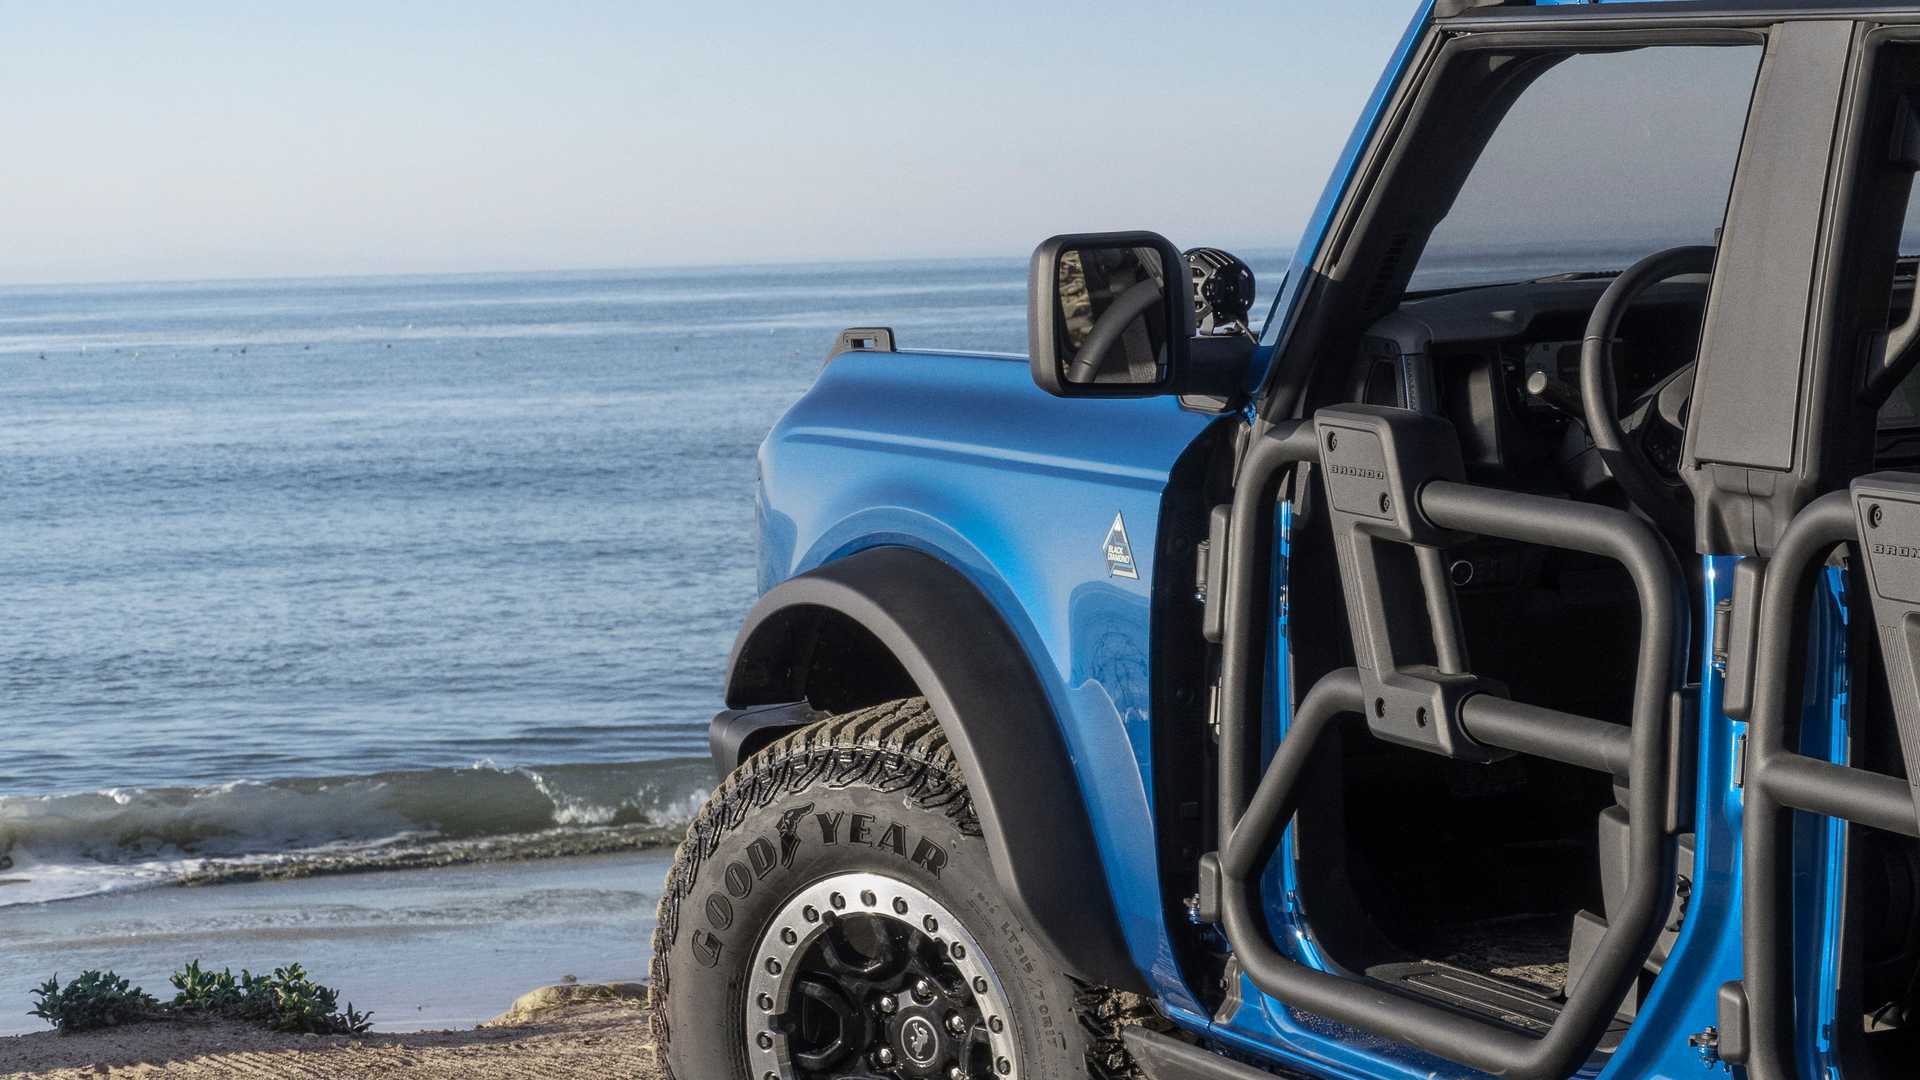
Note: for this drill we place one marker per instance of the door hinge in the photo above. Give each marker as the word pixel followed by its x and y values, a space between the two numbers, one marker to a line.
pixel 1707 1045
pixel 1210 574
pixel 1722 618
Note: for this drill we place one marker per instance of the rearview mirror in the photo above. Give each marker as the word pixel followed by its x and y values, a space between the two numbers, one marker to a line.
pixel 1108 314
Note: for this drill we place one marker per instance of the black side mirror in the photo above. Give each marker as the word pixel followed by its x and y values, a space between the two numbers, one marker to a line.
pixel 1108 314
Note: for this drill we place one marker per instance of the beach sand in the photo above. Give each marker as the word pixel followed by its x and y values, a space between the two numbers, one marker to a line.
pixel 437 954
pixel 447 947
pixel 586 1039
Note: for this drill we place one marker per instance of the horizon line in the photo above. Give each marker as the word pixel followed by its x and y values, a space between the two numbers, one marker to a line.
pixel 77 283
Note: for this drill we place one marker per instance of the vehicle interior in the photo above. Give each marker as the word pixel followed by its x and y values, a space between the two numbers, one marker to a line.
pixel 1493 895
pixel 1558 628
pixel 1487 886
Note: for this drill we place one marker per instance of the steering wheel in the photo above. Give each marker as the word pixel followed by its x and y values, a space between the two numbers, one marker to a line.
pixel 1090 363
pixel 1625 455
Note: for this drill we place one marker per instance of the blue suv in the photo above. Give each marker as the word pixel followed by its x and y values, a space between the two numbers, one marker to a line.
pixel 1498 656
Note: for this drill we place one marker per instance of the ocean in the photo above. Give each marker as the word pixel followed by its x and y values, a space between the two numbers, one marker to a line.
pixel 360 573
pixel 370 573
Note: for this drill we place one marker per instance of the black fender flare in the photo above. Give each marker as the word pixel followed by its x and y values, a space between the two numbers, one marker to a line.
pixel 994 711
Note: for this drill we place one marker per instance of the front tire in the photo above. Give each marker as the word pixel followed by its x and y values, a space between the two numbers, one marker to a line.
pixel 833 913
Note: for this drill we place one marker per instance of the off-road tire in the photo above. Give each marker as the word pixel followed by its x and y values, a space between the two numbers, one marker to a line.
pixel 762 839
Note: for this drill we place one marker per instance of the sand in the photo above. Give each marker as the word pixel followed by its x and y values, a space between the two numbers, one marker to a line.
pixel 580 1031
pixel 424 950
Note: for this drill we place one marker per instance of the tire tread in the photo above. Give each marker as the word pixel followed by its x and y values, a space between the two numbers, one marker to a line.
pixel 896 747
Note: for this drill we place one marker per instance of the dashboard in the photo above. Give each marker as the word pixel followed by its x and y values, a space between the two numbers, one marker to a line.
pixel 1472 355
pixel 1502 364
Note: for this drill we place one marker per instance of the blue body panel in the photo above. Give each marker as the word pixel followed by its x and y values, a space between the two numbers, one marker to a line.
pixel 1820 843
pixel 963 457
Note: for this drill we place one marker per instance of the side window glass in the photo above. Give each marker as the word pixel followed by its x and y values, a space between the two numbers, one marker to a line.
pixel 1586 164
pixel 1605 158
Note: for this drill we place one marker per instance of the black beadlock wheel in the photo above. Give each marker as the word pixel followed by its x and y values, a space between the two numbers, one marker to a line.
pixel 832 913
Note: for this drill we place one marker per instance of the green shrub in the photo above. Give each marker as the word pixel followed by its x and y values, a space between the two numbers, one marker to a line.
pixel 286 1000
pixel 97 999
pixel 198 990
pixel 293 1002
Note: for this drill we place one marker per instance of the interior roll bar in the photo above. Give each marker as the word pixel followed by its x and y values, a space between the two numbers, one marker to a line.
pixel 1393 481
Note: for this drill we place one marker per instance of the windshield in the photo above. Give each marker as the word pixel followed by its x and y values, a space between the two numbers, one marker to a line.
pixel 1605 158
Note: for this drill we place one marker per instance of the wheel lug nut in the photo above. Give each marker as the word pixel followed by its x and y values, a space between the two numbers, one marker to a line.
pixel 883 1055
pixel 956 1024
pixel 887 1004
pixel 923 990
pixel 956 1073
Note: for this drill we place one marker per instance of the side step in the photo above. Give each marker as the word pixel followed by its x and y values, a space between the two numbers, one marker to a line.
pixel 1530 1009
pixel 1163 1057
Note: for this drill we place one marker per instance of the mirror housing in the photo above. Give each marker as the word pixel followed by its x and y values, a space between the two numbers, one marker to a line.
pixel 1114 315
pixel 1108 314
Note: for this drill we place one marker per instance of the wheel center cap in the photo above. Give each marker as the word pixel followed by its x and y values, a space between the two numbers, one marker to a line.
pixel 919 1041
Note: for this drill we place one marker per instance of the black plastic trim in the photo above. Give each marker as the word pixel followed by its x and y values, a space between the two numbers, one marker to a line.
pixel 994 711
pixel 736 734
pixel 1448 9
pixel 1735 1041
pixel 1163 1057
pixel 1667 13
pixel 1743 634
pixel 862 339
pixel 1750 454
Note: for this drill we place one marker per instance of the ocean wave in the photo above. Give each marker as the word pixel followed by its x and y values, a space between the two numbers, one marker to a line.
pixel 60 846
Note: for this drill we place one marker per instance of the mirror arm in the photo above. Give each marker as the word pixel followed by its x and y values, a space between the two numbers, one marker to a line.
pixel 1216 367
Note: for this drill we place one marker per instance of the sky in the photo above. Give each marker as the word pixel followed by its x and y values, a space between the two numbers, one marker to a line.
pixel 200 140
